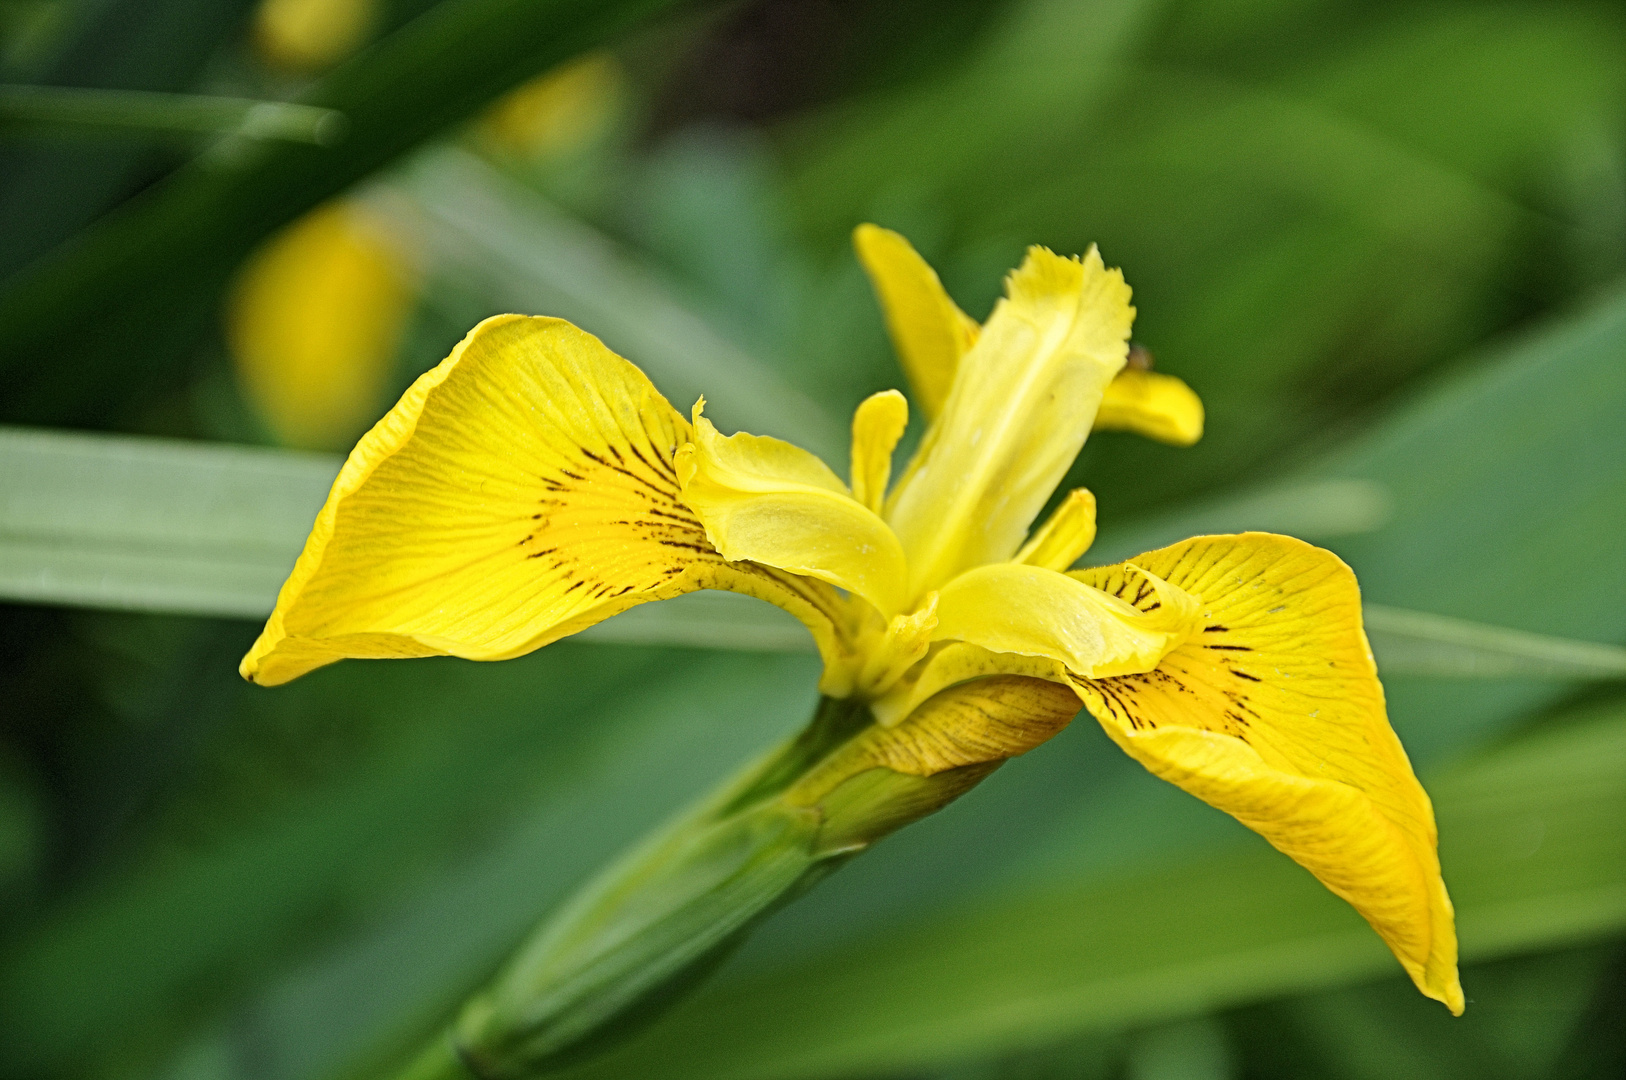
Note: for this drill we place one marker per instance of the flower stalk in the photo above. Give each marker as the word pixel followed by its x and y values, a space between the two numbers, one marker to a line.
pixel 670 909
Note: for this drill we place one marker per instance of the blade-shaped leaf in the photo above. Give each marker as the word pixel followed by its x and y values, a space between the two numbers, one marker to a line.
pixel 162 525
pixel 152 524
pixel 155 267
pixel 136 110
pixel 1417 643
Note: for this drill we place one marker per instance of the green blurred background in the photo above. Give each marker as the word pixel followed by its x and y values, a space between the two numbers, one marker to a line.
pixel 1385 242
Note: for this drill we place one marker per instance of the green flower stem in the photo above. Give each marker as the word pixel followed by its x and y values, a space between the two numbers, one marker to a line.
pixel 659 919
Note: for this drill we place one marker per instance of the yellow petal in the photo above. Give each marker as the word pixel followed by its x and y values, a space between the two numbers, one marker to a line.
pixel 522 490
pixel 878 424
pixel 1065 536
pixel 1148 403
pixel 929 332
pixel 1022 405
pixel 952 662
pixel 766 501
pixel 987 720
pixel 1274 713
pixel 1012 608
pixel 892 652
pixel 313 323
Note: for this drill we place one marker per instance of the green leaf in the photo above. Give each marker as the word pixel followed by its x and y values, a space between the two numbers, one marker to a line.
pixel 53 107
pixel 53 190
pixel 1416 643
pixel 155 267
pixel 495 234
pixel 159 525
pixel 516 779
pixel 152 524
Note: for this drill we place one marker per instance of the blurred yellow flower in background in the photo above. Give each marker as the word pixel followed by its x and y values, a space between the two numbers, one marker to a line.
pixel 556 112
pixel 313 323
pixel 310 35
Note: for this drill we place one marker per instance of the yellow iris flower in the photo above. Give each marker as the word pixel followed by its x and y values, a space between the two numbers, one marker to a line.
pixel 311 35
pixel 313 323
pixel 534 483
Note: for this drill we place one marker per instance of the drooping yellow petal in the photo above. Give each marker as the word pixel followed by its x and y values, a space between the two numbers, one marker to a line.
pixel 313 323
pixel 877 426
pixel 929 331
pixel 1149 403
pixel 1274 713
pixel 1022 404
pixel 1013 608
pixel 1065 536
pixel 766 501
pixel 521 491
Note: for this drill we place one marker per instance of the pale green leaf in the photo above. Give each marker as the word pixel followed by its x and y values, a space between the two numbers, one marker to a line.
pixel 197 529
pixel 1417 643
pixel 152 524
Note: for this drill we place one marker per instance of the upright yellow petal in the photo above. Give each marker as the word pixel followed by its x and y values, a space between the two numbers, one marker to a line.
pixel 1149 403
pixel 313 323
pixel 877 426
pixel 521 491
pixel 1065 536
pixel 1274 713
pixel 1022 405
pixel 929 331
pixel 1014 608
pixel 766 501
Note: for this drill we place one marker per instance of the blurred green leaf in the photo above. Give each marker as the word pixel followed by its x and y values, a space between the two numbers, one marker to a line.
pixel 47 192
pixel 484 227
pixel 154 268
pixel 1049 63
pixel 1416 643
pixel 519 777
pixel 1524 1015
pixel 158 525
pixel 152 524
pixel 53 107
